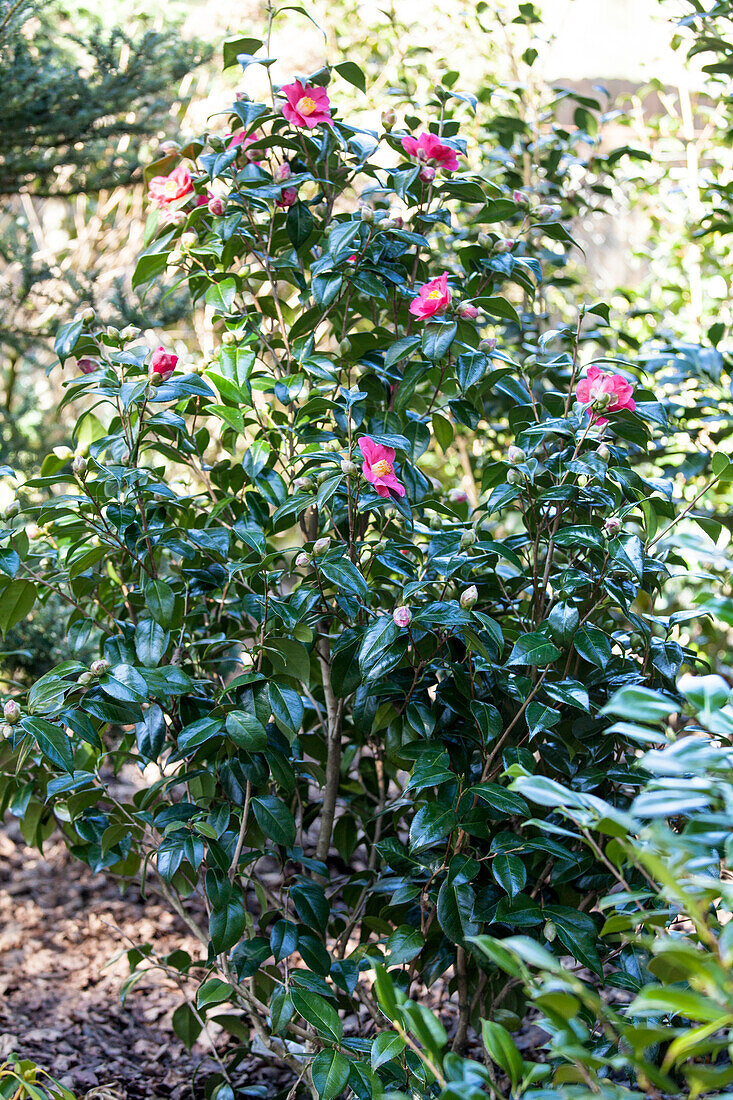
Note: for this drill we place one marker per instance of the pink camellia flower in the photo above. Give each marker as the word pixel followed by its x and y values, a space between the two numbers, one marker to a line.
pixel 607 392
pixel 306 105
pixel 402 616
pixel 87 366
pixel 163 363
pixel 431 150
pixel 378 467
pixel 243 139
pixel 164 190
pixel 433 298
pixel 204 199
pixel 288 197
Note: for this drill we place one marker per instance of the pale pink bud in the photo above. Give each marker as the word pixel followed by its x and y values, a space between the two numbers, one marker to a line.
pixel 520 198
pixel 87 366
pixel 320 546
pixel 169 147
pixel 488 345
pixel 398 222
pixel 283 172
pixel 302 561
pixel 458 496
pixel 216 207
pixel 388 119
pixel 427 174
pixel 11 712
pixel 468 598
pixel 467 310
pixel 98 668
pixel 612 526
pixel 402 617
pixel 505 245
pixel 515 455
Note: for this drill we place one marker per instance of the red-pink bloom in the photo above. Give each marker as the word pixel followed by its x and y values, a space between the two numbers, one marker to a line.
pixel 203 200
pixel 163 363
pixel 87 366
pixel 288 197
pixel 430 149
pixel 378 467
pixel 306 105
pixel 433 298
pixel 243 139
pixel 610 392
pixel 164 190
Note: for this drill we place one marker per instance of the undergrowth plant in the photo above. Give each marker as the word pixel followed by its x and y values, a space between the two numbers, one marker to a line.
pixel 320 659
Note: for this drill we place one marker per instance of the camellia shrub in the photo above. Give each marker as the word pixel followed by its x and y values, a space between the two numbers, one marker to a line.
pixel 321 661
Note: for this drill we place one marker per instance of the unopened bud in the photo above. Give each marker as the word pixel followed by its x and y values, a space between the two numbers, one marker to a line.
pixel 99 667
pixel 229 338
pixel 169 147
pixel 344 346
pixel 504 245
pixel 283 172
pixel 402 617
pixel 331 445
pixel 129 332
pixel 303 483
pixel 427 174
pixel 603 453
pixel 188 240
pixel 11 712
pixel 520 198
pixel 467 310
pixel 87 315
pixel 381 546
pixel 458 496
pixel 320 546
pixel 488 345
pixel 468 538
pixel 112 332
pixel 367 215
pixel 514 477
pixel 468 598
pixel 612 526
pixel 6 730
pixel 302 561
pixel 485 240
pixel 636 640
pixel 436 523
pixel 79 466
pixel 85 679
pixel 547 213
pixel 11 510
pixel 348 467
pixel 176 217
pixel 216 206
pixel 398 222
pixel 604 400
pixel 549 931
pixel 515 455
pixel 389 118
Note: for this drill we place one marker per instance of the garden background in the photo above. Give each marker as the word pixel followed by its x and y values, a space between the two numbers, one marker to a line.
pixel 346 793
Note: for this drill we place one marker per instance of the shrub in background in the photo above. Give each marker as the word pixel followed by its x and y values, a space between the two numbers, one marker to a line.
pixel 323 656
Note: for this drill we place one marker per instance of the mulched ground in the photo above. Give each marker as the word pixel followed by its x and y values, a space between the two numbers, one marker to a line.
pixel 60 999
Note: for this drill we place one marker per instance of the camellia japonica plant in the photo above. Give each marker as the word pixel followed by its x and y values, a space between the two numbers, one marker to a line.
pixel 350 569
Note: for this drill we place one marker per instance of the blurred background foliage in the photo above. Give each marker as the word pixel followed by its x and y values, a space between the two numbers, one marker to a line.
pixel 638 162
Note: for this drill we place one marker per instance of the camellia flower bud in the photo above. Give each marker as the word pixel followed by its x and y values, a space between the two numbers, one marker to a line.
pixel 320 546
pixel 302 561
pixel 504 245
pixel 11 712
pixel 129 332
pixel 381 546
pixel 468 598
pixel 169 147
pixel 488 345
pixel 467 310
pixel 458 496
pixel 344 346
pixel 99 667
pixel 87 366
pixel 398 222
pixel 468 538
pixel 283 172
pixel 389 118
pixel 348 467
pixel 216 206
pixel 436 523
pixel 12 509
pixel 612 526
pixel 85 678
pixel 547 213
pixel 514 477
pixel 427 174
pixel 520 198
pixel 87 315
pixel 175 217
pixel 79 466
pixel 367 214
pixel 162 365
pixel 402 616
pixel 485 240
pixel 188 240
pixel 288 197
pixel 515 455
pixel 302 483
pixel 229 338
pixel 6 730
pixel 603 453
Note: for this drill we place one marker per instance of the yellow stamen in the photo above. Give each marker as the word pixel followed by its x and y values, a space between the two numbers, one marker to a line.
pixel 382 468
pixel 305 105
pixel 433 294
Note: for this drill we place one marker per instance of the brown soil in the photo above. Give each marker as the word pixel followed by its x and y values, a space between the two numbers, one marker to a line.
pixel 60 926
